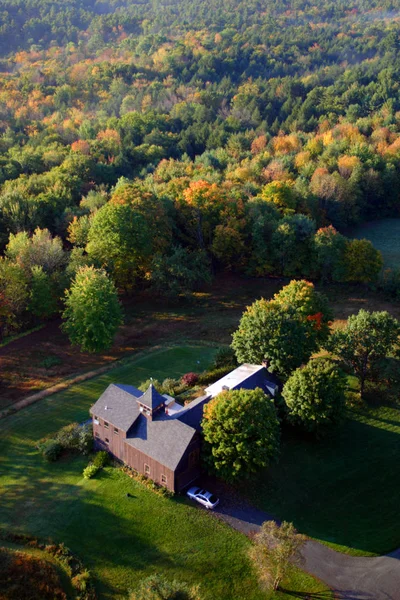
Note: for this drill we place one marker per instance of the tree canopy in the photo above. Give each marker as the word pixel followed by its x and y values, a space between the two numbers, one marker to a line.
pixel 241 433
pixel 92 311
pixel 315 396
pixel 366 338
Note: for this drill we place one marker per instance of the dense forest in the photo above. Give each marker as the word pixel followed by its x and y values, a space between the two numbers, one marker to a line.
pixel 164 141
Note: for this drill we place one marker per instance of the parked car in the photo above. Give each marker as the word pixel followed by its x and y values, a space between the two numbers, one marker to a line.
pixel 203 497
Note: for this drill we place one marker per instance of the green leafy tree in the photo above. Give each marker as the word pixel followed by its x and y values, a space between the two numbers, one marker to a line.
pixel 39 250
pixel 366 339
pixel 92 311
pixel 14 296
pixel 270 331
pixel 330 248
pixel 276 548
pixel 42 302
pixel 157 587
pixel 309 305
pixel 315 396
pixel 293 245
pixel 363 261
pixel 180 272
pixel 241 433
pixel 119 240
pixel 280 193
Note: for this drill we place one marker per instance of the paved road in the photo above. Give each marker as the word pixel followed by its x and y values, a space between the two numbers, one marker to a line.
pixel 352 578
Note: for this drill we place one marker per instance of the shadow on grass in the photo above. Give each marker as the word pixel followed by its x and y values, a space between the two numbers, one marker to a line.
pixel 82 515
pixel 331 489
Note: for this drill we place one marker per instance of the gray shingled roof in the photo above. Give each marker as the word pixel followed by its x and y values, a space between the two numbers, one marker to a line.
pixel 192 414
pixel 151 398
pixel 163 439
pixel 118 405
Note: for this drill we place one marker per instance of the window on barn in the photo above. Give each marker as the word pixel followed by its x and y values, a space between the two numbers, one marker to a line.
pixel 164 479
pixel 97 434
pixel 107 441
pixel 106 424
pixel 116 430
pixel 147 469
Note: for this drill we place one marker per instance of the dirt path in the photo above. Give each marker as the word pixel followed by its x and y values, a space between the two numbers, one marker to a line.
pixel 44 358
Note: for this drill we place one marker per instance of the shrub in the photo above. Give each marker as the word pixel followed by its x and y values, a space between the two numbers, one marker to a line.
pixel 190 379
pixel 50 361
pixel 146 384
pixel 81 581
pixel 225 357
pixel 85 439
pixel 52 450
pixel 90 471
pixel 101 459
pixel 170 386
pixel 68 436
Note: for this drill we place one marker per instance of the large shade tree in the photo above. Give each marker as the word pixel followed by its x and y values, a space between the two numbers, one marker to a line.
pixel 315 396
pixel 277 332
pixel 241 433
pixel 92 311
pixel 309 305
pixel 366 339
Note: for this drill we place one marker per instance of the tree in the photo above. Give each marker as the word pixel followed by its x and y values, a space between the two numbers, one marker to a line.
pixel 41 299
pixel 119 239
pixel 280 193
pixel 330 248
pixel 92 311
pixel 363 262
pixel 156 587
pixel 180 272
pixel 293 245
pixel 14 295
pixel 367 338
pixel 270 331
pixel 315 396
pixel 39 250
pixel 241 433
pixel 309 305
pixel 276 548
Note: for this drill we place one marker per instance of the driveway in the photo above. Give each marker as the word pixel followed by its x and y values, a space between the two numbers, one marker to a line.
pixel 352 578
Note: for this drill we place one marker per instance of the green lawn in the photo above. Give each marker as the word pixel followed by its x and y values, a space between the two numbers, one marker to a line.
pixel 385 236
pixel 121 539
pixel 343 490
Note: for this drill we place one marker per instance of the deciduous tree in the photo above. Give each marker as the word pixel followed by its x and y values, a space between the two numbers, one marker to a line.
pixel 270 331
pixel 315 396
pixel 92 311
pixel 241 433
pixel 276 548
pixel 367 338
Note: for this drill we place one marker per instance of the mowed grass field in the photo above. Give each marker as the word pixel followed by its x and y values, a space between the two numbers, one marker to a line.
pixel 385 236
pixel 120 539
pixel 342 490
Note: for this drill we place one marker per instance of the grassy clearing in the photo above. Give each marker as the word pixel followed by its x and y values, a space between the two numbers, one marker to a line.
pixel 385 236
pixel 343 490
pixel 120 539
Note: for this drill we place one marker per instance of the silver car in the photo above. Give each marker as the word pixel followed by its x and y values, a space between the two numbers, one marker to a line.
pixel 207 499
